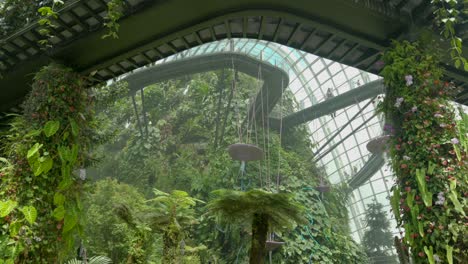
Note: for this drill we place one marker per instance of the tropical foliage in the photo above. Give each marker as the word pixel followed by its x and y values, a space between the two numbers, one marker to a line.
pixel 183 147
pixel 429 200
pixel 40 187
pixel 265 211
pixel 177 144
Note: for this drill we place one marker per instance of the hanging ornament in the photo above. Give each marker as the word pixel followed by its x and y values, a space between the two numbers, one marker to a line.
pixel 271 245
pixel 245 152
pixel 378 145
pixel 322 188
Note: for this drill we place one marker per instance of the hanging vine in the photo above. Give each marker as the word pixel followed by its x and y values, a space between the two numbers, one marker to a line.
pixel 447 15
pixel 47 15
pixel 115 10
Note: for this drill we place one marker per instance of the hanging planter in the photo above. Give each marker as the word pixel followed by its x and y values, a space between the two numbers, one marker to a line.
pixel 323 188
pixel 245 152
pixel 271 245
pixel 378 145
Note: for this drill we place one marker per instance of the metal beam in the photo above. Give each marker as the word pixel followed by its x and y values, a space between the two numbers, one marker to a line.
pixel 343 127
pixel 343 139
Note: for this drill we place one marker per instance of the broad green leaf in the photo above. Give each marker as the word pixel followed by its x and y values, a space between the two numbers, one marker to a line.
pixel 47 164
pixel 14 228
pixel 421 229
pixel 430 168
pixel 449 254
pixel 59 199
pixel 395 202
pixel 458 207
pixel 453 185
pixel 33 150
pixel 59 213
pixel 6 207
pixel 37 168
pixel 74 127
pixel 33 133
pixel 64 153
pixel 73 154
pixel 30 213
pixel 70 221
pixel 51 127
pixel 430 254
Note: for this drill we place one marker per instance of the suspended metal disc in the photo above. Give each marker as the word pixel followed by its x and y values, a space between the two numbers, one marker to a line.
pixel 272 245
pixel 323 188
pixel 378 145
pixel 245 152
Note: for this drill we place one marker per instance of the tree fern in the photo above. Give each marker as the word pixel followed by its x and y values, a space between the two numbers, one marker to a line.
pixel 263 209
pixel 93 260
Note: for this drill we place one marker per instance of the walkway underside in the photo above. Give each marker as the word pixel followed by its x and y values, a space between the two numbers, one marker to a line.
pixel 331 105
pixel 275 80
pixel 375 162
pixel 347 31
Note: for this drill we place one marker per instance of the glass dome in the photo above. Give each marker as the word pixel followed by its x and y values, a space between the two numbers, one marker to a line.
pixel 340 137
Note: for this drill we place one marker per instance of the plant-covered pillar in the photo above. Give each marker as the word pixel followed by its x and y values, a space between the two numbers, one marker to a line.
pixel 171 241
pixel 40 188
pixel 259 237
pixel 426 157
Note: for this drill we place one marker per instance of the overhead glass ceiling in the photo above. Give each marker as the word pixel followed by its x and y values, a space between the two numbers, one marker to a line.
pixel 310 79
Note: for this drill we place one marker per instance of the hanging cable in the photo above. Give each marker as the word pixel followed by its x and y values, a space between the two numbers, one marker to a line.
pixel 142 92
pixel 218 112
pixel 268 146
pixel 280 135
pixel 137 116
pixel 262 112
pixel 234 81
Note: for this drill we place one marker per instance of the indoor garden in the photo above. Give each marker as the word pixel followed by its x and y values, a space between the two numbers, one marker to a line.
pixel 233 132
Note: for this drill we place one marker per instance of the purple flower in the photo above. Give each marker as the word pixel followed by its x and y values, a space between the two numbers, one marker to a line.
pixel 389 128
pixel 455 141
pixel 414 109
pixel 438 115
pixel 380 64
pixel 409 80
pixel 398 102
pixel 440 199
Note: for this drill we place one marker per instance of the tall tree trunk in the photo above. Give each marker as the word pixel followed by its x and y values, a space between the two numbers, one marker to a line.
pixel 259 236
pixel 170 247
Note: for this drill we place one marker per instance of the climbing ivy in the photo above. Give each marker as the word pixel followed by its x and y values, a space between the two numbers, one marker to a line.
pixel 41 187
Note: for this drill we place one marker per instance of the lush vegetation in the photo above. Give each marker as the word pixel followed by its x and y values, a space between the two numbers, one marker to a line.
pixel 50 205
pixel 428 150
pixel 40 190
pixel 183 147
